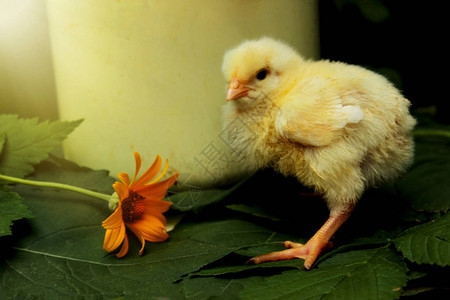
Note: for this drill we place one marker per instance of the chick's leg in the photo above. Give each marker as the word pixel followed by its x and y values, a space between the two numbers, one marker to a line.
pixel 312 249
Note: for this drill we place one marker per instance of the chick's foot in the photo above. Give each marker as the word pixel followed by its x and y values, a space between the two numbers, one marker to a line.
pixel 314 247
pixel 309 252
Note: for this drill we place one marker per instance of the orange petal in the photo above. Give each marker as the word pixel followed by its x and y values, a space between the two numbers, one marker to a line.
pixel 153 219
pixel 124 248
pixel 150 173
pixel 163 172
pixel 137 159
pixel 157 205
pixel 114 220
pixel 155 190
pixel 155 236
pixel 153 194
pixel 116 238
pixel 152 228
pixel 157 219
pixel 113 238
pixel 138 233
pixel 121 190
pixel 124 178
pixel 107 239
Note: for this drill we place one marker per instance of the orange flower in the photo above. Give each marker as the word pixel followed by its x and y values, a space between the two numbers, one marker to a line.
pixel 140 208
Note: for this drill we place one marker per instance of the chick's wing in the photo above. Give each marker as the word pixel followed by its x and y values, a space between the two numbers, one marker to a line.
pixel 315 113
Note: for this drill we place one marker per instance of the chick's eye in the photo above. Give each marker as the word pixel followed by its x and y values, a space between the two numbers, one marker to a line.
pixel 261 75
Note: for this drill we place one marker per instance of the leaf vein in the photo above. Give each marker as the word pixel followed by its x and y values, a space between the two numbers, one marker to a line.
pixel 81 280
pixel 20 273
pixel 110 265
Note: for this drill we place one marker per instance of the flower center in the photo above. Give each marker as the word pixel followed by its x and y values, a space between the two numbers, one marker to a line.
pixel 132 207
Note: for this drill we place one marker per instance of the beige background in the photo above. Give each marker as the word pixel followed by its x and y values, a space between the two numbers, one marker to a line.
pixel 27 85
pixel 144 75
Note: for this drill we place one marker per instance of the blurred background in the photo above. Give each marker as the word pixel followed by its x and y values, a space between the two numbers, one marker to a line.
pixel 27 84
pixel 56 55
pixel 400 39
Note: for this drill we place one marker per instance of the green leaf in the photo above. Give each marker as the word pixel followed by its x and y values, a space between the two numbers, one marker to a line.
pixel 233 234
pixel 227 270
pixel 254 210
pixel 212 288
pixel 11 209
pixel 427 183
pixel 197 199
pixel 360 274
pixel 275 244
pixel 427 243
pixel 60 252
pixel 28 142
pixel 364 274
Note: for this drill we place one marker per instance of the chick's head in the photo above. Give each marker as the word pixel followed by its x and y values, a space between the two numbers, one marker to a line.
pixel 257 69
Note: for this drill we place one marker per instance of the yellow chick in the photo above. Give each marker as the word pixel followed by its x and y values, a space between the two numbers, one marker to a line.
pixel 337 128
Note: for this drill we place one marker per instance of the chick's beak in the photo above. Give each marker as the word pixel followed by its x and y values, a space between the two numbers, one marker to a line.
pixel 236 89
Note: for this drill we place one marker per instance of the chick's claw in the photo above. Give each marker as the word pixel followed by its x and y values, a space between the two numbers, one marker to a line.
pixel 280 255
pixel 289 244
pixel 309 252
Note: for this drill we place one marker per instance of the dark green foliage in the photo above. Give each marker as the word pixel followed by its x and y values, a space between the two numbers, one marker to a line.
pixel 395 244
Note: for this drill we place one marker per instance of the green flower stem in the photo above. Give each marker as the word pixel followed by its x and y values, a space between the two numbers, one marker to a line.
pixel 59 186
